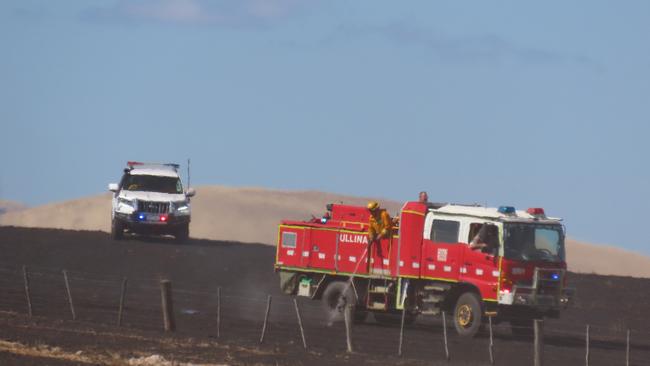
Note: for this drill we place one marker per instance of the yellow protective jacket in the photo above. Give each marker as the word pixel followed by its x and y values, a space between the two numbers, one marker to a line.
pixel 380 225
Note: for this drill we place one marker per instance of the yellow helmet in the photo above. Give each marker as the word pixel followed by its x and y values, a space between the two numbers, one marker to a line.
pixel 373 205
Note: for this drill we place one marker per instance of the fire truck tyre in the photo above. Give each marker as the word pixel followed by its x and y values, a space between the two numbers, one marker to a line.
pixel 468 314
pixel 117 230
pixel 182 233
pixel 522 327
pixel 336 297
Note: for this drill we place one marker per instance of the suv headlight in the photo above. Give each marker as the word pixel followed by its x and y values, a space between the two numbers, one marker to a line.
pixel 182 207
pixel 127 202
pixel 126 206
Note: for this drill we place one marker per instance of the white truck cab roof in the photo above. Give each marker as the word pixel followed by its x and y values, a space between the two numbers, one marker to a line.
pixel 503 213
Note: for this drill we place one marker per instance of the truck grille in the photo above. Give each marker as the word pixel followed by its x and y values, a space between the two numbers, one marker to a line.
pixel 153 207
pixel 549 281
pixel 549 288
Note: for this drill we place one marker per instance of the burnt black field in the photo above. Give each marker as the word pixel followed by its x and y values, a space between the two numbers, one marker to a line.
pixel 96 267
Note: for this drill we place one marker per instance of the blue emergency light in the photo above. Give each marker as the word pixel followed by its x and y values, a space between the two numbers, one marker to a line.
pixel 141 217
pixel 506 210
pixel 555 276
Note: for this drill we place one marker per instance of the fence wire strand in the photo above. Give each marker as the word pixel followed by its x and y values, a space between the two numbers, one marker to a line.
pixel 96 299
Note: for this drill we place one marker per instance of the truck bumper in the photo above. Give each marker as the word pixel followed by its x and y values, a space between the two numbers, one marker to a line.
pixel 530 298
pixel 136 224
pixel 546 292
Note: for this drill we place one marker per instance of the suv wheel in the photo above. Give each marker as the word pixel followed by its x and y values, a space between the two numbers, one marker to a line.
pixel 117 230
pixel 182 233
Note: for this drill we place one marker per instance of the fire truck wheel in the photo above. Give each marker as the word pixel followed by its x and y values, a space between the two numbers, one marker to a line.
pixel 336 297
pixel 522 327
pixel 468 314
pixel 117 230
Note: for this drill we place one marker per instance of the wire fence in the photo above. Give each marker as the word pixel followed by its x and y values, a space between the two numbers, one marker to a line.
pixel 249 317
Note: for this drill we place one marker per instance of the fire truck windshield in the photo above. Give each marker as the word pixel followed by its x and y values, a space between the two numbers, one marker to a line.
pixel 534 242
pixel 152 183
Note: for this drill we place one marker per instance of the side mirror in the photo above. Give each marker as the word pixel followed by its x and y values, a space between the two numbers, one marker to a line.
pixel 190 192
pixel 112 187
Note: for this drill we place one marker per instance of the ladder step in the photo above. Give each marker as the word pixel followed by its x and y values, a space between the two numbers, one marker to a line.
pixel 378 292
pixel 430 312
pixel 433 299
pixel 379 289
pixel 437 287
pixel 377 306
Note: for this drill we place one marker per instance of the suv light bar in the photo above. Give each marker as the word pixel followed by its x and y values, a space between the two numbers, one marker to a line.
pixel 132 164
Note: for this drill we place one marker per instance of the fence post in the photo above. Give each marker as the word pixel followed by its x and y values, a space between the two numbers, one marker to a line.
pixel 67 288
pixel 491 341
pixel 27 293
pixel 627 348
pixel 167 305
pixel 401 332
pixel 444 333
pixel 218 312
pixel 122 297
pixel 539 342
pixel 587 346
pixel 347 316
pixel 266 318
pixel 302 331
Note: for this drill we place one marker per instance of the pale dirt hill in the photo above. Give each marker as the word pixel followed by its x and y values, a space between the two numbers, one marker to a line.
pixel 606 260
pixel 10 206
pixel 252 215
pixel 218 213
pixel 90 213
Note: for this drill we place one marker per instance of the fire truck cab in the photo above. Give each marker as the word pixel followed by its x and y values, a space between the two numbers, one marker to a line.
pixel 469 261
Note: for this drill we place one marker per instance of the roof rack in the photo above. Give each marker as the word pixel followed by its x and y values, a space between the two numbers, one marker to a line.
pixel 133 164
pixel 466 204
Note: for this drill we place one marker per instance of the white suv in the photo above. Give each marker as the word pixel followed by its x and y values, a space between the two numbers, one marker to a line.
pixel 150 200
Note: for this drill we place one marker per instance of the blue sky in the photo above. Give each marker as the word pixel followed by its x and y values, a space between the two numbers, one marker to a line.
pixel 502 102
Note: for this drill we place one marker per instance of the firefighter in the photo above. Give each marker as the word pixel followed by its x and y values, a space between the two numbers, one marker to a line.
pixel 487 239
pixel 380 225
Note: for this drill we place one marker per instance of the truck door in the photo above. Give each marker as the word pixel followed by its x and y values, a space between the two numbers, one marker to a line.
pixel 441 250
pixel 480 266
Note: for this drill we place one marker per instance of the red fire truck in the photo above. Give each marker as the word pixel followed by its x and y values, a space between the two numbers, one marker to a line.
pixel 469 261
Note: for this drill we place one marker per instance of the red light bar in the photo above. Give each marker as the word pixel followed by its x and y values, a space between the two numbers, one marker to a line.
pixel 131 163
pixel 536 211
pixel 163 218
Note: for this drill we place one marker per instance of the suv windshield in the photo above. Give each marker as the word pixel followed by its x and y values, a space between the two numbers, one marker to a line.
pixel 534 242
pixel 152 183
